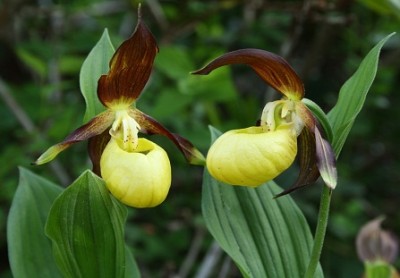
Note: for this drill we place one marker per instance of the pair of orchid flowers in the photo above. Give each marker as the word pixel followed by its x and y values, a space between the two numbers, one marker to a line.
pixel 138 171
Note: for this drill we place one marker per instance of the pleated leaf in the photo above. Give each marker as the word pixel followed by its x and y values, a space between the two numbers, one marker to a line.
pixel 265 237
pixel 352 97
pixel 132 269
pixel 95 65
pixel 29 250
pixel 86 225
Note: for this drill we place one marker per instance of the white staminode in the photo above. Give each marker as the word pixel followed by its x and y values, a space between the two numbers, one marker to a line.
pixel 125 130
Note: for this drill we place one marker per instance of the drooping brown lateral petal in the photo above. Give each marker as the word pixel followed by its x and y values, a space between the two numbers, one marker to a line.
pixel 96 147
pixel 130 68
pixel 326 161
pixel 308 162
pixel 151 126
pixel 94 127
pixel 272 68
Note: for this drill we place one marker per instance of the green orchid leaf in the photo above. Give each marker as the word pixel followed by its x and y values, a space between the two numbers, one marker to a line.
pixel 265 237
pixel 352 97
pixel 132 269
pixel 29 250
pixel 95 65
pixel 86 226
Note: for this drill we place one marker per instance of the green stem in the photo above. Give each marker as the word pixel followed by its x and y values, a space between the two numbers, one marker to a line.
pixel 320 231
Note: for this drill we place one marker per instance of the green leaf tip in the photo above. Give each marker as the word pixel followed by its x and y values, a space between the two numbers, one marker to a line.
pixel 86 226
pixel 352 96
pixel 95 65
pixel 25 227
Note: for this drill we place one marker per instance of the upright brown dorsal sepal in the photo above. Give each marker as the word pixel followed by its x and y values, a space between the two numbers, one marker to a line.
pixel 130 68
pixel 272 68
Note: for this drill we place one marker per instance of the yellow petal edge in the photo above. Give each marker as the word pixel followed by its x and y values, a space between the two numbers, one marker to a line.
pixel 251 156
pixel 139 179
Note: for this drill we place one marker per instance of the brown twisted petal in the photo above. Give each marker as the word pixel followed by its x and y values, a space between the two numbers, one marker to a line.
pixel 130 68
pixel 151 126
pixel 95 126
pixel 272 68
pixel 308 162
pixel 96 146
pixel 326 161
pixel 325 156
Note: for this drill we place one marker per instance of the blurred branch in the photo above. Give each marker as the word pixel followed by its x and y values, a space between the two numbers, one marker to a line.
pixel 193 253
pixel 226 267
pixel 211 259
pixel 290 44
pixel 291 41
pixel 17 110
pixel 158 13
pixel 29 127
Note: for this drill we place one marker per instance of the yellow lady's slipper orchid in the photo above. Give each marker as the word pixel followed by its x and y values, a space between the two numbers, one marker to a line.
pixel 255 155
pixel 135 170
pixel 141 178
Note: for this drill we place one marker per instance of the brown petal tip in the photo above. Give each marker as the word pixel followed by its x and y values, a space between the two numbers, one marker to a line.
pixel 130 68
pixel 273 69
pixel 151 126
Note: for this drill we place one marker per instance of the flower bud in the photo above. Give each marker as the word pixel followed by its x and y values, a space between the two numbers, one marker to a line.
pixel 251 156
pixel 141 178
pixel 375 244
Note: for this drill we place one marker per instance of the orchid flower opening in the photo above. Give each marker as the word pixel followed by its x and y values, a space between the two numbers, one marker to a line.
pixel 135 170
pixel 257 154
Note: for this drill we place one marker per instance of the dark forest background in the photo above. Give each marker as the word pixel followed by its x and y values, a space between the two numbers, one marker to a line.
pixel 44 42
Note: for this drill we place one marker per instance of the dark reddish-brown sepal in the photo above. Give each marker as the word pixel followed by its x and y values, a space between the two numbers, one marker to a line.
pixel 96 146
pixel 307 161
pixel 130 68
pixel 94 127
pixel 151 126
pixel 272 68
pixel 325 156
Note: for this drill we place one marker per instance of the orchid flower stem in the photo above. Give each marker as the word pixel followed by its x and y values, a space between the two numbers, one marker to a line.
pixel 320 231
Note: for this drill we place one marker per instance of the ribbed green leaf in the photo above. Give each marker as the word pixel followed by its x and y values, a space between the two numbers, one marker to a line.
pixel 131 270
pixel 29 250
pixel 265 237
pixel 96 64
pixel 352 97
pixel 86 225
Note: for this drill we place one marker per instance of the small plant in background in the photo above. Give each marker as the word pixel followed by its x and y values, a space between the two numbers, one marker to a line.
pixel 377 249
pixel 265 237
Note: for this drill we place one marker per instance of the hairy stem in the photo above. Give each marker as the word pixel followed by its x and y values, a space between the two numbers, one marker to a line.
pixel 320 231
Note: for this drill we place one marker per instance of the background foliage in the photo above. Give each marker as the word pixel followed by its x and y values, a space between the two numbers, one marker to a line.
pixel 43 45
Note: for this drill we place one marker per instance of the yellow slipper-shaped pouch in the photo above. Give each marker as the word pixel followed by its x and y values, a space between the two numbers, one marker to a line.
pixel 139 179
pixel 251 156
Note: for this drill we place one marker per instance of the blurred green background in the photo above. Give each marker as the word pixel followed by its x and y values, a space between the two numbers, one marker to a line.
pixel 43 44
